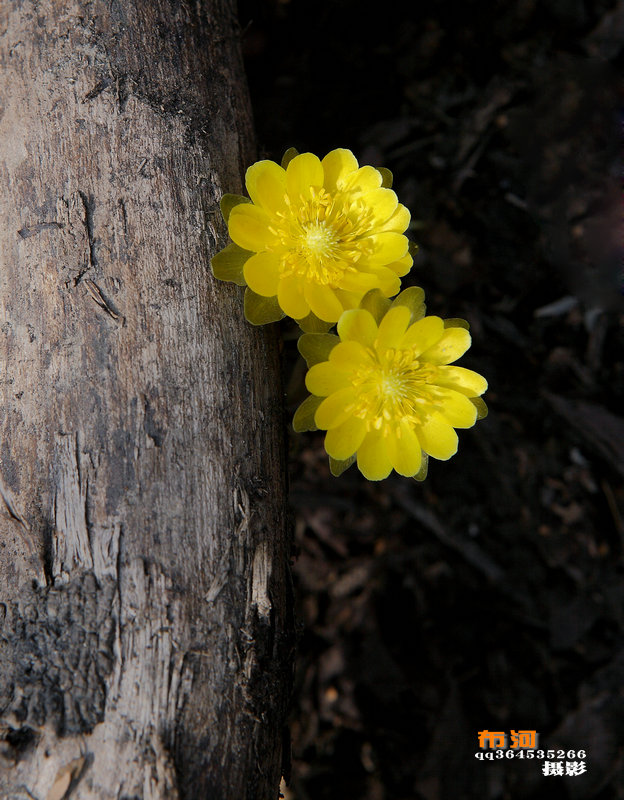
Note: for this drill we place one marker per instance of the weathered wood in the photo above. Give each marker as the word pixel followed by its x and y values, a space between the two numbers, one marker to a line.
pixel 144 634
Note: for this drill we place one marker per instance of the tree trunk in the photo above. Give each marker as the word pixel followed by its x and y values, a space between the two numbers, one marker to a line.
pixel 144 626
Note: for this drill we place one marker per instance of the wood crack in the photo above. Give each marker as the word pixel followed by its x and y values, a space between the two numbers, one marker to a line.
pixel 99 87
pixel 9 504
pixel 87 220
pixel 33 230
pixel 105 304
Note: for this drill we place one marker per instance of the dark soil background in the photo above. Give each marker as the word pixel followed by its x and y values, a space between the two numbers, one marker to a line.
pixel 492 595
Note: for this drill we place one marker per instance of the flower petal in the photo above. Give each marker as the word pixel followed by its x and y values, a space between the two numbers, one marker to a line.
pixel 266 184
pixel 355 280
pixel 399 220
pixel 382 202
pixel 312 324
pixel 456 408
pixel 362 180
pixel 388 281
pixel 372 457
pixel 249 227
pixel 326 378
pixel 392 327
pixel 348 355
pixel 404 450
pixel 359 325
pixel 348 299
pixel 437 437
pixel 337 165
pixel 316 347
pixel 453 344
pixel 227 264
pixel 343 441
pixel 462 380
pixel 387 247
pixel 303 419
pixel 262 273
pixel 291 298
pixel 402 266
pixel 336 409
pixel 423 334
pixel 323 301
pixel 304 171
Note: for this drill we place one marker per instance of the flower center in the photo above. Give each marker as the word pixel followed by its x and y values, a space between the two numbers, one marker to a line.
pixel 393 386
pixel 319 238
pixel 390 385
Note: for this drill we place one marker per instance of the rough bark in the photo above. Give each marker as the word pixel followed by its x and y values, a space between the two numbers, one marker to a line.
pixel 144 634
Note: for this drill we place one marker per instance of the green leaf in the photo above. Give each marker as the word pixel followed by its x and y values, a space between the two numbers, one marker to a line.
pixel 479 404
pixel 424 468
pixel 228 201
pixel 376 304
pixel 456 323
pixel 414 299
pixel 261 310
pixel 288 156
pixel 227 265
pixel 338 467
pixel 312 324
pixel 386 177
pixel 304 415
pixel 316 347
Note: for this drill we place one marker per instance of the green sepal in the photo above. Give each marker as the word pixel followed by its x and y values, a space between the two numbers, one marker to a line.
pixel 414 299
pixel 456 323
pixel 227 264
pixel 412 248
pixel 261 310
pixel 375 303
pixel 303 420
pixel 312 324
pixel 229 201
pixel 316 347
pixel 288 156
pixel 386 177
pixel 424 468
pixel 479 404
pixel 338 467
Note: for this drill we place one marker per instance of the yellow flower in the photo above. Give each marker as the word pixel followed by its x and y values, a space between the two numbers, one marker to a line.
pixel 316 236
pixel 384 390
